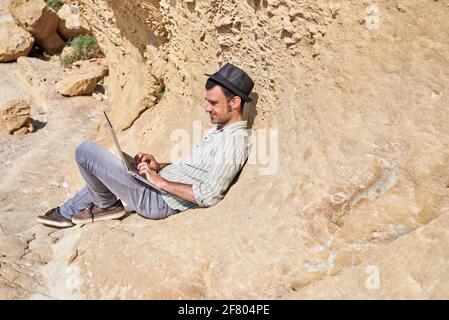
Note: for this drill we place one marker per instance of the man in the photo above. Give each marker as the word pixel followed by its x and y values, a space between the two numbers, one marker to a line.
pixel 201 180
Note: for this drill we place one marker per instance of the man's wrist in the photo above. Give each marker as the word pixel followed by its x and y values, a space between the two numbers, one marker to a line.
pixel 164 184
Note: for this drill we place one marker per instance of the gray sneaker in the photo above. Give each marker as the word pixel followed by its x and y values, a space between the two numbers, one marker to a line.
pixel 54 218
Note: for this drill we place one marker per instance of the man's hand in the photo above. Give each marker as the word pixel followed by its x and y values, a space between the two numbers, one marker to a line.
pixel 182 190
pixel 152 176
pixel 146 158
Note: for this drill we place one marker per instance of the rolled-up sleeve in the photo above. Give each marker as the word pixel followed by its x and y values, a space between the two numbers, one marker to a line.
pixel 227 162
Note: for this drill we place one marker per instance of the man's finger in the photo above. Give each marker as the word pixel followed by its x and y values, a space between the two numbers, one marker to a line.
pixel 143 170
pixel 147 157
pixel 142 165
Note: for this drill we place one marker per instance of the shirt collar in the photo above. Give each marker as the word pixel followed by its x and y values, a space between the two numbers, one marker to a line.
pixel 233 126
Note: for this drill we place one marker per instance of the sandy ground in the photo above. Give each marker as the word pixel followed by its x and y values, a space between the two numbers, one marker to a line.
pixel 32 167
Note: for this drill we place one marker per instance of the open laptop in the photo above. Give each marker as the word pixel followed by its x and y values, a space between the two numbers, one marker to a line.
pixel 127 160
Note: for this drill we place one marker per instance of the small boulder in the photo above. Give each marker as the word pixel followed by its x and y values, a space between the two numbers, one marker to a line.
pixel 41 21
pixel 71 24
pixel 14 41
pixel 14 116
pixel 84 78
pixel 77 85
pixel 95 66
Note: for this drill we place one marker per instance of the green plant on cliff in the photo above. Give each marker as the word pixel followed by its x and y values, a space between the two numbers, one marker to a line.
pixel 54 4
pixel 85 46
pixel 159 92
pixel 68 60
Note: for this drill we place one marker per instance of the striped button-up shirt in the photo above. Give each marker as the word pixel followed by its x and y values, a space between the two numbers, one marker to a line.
pixel 211 166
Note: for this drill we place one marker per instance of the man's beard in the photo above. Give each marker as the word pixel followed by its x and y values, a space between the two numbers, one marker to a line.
pixel 219 119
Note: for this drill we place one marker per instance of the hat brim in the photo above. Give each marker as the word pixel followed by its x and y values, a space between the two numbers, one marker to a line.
pixel 225 83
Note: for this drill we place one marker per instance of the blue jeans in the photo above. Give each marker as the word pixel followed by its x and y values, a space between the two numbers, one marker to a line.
pixel 107 180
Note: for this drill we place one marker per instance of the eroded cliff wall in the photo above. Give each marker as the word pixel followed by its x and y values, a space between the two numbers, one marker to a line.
pixel 356 96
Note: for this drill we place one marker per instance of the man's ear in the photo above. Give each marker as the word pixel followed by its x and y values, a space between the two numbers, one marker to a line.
pixel 236 101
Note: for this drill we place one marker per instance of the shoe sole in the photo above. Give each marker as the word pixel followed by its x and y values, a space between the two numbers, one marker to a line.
pixel 112 216
pixel 52 223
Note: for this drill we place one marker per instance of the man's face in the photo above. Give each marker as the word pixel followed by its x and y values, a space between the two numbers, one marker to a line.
pixel 219 109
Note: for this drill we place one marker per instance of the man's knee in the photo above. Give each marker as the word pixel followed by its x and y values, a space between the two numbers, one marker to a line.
pixel 84 149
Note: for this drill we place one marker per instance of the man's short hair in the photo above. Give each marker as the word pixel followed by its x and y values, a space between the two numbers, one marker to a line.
pixel 210 84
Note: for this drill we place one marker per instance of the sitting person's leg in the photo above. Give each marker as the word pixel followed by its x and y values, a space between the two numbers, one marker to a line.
pixel 106 181
pixel 93 160
pixel 80 201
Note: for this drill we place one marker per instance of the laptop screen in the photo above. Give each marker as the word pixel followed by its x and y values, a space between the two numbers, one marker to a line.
pixel 117 145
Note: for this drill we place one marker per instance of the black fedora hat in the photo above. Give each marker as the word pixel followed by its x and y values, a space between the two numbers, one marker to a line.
pixel 234 79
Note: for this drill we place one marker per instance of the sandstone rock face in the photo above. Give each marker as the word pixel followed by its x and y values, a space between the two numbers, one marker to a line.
pixel 356 98
pixel 135 38
pixel 5 15
pixel 413 267
pixel 15 116
pixel 38 19
pixel 345 194
pixel 14 42
pixel 71 24
pixel 84 78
